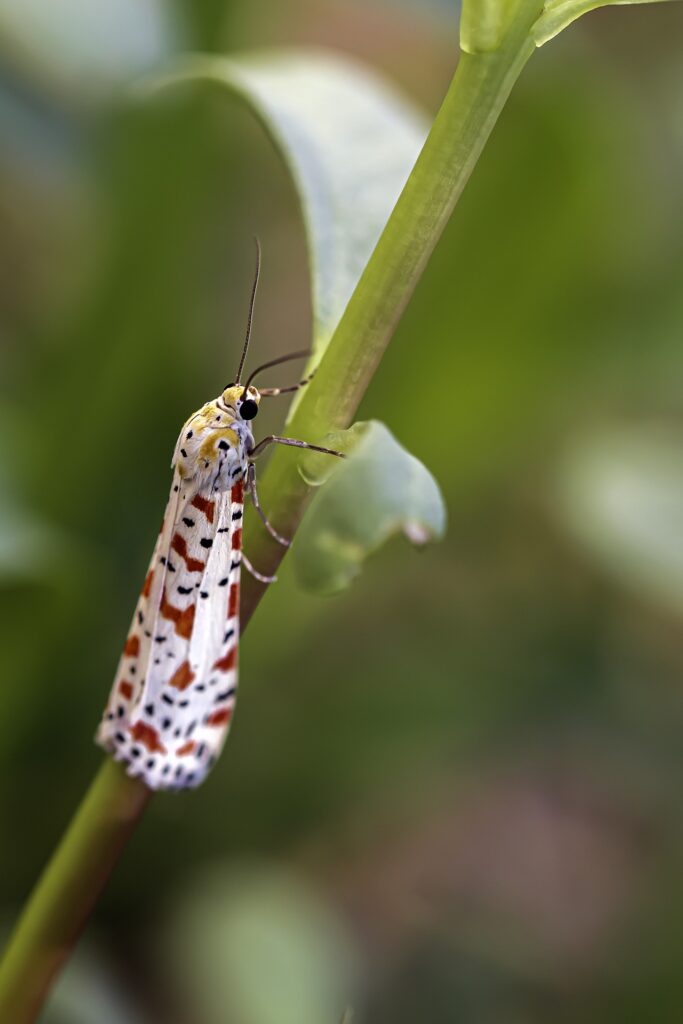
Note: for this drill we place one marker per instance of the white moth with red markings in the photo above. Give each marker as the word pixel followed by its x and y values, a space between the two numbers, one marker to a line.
pixel 173 696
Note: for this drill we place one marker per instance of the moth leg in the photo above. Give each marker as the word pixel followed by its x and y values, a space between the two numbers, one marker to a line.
pixel 251 487
pixel 273 439
pixel 255 573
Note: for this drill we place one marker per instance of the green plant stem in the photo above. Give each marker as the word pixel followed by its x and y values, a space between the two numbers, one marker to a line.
pixel 476 96
pixel 69 888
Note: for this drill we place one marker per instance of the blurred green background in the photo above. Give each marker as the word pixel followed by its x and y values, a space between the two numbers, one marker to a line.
pixel 451 793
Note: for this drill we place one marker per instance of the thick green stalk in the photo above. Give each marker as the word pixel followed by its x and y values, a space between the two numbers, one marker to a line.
pixel 69 888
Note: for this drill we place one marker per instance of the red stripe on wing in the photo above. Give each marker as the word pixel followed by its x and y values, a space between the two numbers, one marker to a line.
pixel 187 748
pixel 148 736
pixel 179 544
pixel 227 662
pixel 205 506
pixel 132 648
pixel 182 617
pixel 182 677
pixel 219 717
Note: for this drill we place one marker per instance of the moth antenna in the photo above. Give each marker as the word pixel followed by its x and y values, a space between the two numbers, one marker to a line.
pixel 272 392
pixel 276 362
pixel 251 310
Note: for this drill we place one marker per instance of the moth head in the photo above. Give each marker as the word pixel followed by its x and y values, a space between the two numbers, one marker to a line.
pixel 245 401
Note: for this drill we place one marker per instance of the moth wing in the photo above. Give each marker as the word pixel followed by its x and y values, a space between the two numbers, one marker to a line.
pixel 177 720
pixel 130 673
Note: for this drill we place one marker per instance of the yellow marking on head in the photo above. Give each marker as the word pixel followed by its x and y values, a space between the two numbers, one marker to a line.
pixel 233 395
pixel 209 446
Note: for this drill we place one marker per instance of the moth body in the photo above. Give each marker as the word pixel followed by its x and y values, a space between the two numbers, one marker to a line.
pixel 171 704
pixel 173 696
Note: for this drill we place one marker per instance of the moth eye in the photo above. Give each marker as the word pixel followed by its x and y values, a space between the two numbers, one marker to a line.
pixel 228 386
pixel 248 409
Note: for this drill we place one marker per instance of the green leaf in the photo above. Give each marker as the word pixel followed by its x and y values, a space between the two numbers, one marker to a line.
pixel 100 41
pixel 380 490
pixel 260 946
pixel 557 14
pixel 622 499
pixel 349 141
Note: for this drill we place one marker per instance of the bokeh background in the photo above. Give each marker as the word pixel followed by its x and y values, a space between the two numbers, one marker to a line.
pixel 452 792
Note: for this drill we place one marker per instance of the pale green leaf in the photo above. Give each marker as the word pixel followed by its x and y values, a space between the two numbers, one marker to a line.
pixel 622 499
pixel 349 140
pixel 98 41
pixel 378 491
pixel 259 945
pixel 557 14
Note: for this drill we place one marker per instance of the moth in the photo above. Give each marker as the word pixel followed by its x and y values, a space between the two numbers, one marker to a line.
pixel 173 696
